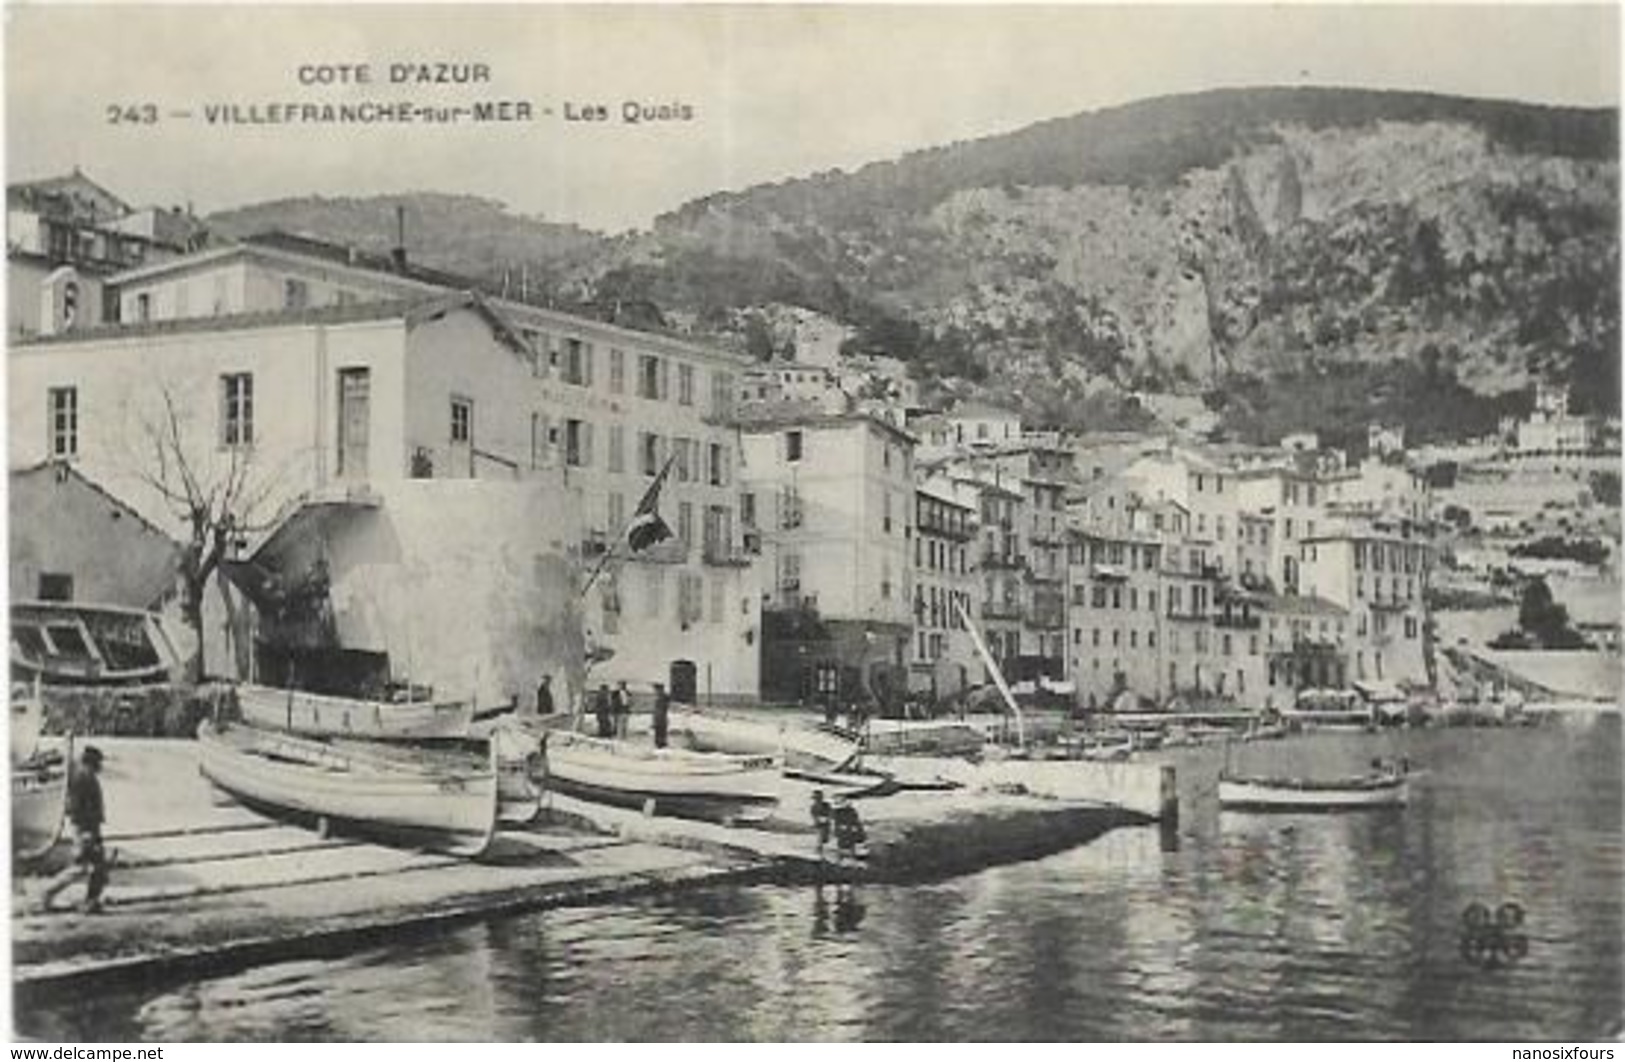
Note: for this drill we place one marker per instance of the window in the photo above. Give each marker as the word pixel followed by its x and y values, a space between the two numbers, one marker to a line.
pixel 462 421
pixel 685 385
pixel 719 465
pixel 143 307
pixel 617 448
pixel 63 403
pixel 55 586
pixel 237 409
pixel 649 453
pixel 577 443
pixel 616 511
pixel 885 523
pixel 577 362
pixel 649 376
pixel 685 522
pixel 792 446
pixel 617 371
pixel 747 509
pixel 295 294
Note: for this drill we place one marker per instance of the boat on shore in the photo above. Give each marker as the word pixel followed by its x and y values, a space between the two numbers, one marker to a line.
pixel 922 737
pixel 73 643
pixel 27 720
pixel 448 808
pixel 803 750
pixel 39 800
pixel 321 715
pixel 1385 787
pixel 701 785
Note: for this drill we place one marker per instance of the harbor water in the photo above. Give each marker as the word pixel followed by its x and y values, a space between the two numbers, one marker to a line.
pixel 1232 926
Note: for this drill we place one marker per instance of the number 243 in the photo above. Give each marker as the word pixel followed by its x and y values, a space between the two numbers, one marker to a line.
pixel 132 114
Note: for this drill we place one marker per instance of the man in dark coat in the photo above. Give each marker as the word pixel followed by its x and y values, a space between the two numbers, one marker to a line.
pixel 544 696
pixel 621 707
pixel 86 813
pixel 662 715
pixel 603 709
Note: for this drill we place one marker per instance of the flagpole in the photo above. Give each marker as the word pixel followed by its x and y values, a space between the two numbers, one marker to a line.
pixel 614 544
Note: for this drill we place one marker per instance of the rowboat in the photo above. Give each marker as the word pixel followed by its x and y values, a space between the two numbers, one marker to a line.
pixel 78 644
pixel 320 715
pixel 39 801
pixel 922 737
pixel 518 759
pixel 803 751
pixel 448 808
pixel 702 785
pixel 1385 788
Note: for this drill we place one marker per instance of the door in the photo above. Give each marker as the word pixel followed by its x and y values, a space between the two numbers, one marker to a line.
pixel 355 387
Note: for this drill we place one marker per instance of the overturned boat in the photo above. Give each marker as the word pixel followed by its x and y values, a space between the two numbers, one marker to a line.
pixel 447 807
pixel 322 715
pixel 71 643
pixel 702 785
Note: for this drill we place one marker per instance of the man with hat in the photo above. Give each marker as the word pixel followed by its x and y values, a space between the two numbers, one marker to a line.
pixel 86 814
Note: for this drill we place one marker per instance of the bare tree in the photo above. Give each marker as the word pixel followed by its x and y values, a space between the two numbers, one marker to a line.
pixel 213 493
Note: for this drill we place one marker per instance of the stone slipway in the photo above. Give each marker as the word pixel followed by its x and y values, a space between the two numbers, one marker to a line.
pixel 202 884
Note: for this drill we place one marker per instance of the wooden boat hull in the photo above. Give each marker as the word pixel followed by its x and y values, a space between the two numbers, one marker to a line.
pixel 39 803
pixel 1265 794
pixel 82 644
pixel 27 722
pixel 450 810
pixel 316 715
pixel 686 784
pixel 903 737
pixel 804 751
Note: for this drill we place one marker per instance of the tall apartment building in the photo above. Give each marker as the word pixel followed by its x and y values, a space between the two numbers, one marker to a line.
pixel 832 498
pixel 944 660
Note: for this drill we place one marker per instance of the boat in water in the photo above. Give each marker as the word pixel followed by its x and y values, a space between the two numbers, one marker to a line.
pixel 321 715
pixel 803 750
pixel 452 808
pixel 72 643
pixel 701 785
pixel 1387 786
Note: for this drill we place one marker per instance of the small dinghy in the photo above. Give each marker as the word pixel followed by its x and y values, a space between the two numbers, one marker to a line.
pixel 1386 787
pixel 320 715
pixel 39 801
pixel 701 785
pixel 447 807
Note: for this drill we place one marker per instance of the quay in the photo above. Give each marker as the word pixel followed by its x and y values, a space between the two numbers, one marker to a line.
pixel 201 884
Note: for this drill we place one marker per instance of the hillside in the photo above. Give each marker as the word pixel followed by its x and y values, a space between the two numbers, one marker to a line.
pixel 1303 257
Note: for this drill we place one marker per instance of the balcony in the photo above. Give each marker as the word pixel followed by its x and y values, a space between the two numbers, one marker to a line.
pixel 1182 616
pixel 724 555
pixel 1238 621
pixel 1012 561
pixel 994 610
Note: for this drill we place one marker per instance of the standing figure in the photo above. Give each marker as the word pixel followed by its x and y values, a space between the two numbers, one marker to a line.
pixel 662 715
pixel 603 708
pixel 823 817
pixel 86 814
pixel 622 707
pixel 544 696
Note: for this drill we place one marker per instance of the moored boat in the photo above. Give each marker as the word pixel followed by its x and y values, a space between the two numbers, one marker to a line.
pixel 1384 788
pixel 450 808
pixel 804 751
pixel 922 737
pixel 321 715
pixel 687 784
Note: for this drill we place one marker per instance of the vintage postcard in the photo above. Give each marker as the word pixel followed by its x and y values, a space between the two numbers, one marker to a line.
pixel 808 523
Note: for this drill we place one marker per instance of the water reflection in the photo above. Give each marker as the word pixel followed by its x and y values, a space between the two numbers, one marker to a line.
pixel 1305 927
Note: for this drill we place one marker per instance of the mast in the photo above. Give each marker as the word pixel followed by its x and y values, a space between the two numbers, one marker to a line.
pixel 993 669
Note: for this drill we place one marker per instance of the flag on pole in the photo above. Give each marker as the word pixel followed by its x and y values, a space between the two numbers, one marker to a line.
pixel 647 528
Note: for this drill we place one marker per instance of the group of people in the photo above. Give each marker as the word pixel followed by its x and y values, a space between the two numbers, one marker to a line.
pixel 612 708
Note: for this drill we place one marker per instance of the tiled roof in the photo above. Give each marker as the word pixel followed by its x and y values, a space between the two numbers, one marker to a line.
pixel 359 311
pixel 1297 605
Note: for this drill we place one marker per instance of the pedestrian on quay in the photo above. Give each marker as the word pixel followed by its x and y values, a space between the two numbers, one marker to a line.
pixel 544 696
pixel 823 816
pixel 621 706
pixel 662 715
pixel 86 813
pixel 603 708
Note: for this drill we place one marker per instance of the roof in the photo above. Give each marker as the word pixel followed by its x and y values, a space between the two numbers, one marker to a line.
pixel 354 258
pixel 66 469
pixel 926 492
pixel 972 407
pixel 67 184
pixel 412 311
pixel 768 418
pixel 1297 605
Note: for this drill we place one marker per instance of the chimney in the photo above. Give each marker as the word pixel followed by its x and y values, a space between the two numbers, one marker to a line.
pixel 399 253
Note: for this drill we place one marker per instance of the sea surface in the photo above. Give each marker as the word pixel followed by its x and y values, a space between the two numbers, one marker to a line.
pixel 1233 926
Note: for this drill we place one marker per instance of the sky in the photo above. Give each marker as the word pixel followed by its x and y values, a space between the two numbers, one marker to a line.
pixel 774 92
